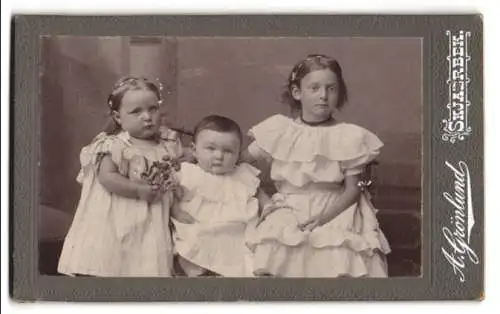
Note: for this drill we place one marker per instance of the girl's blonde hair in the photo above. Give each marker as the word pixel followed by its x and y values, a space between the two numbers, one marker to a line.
pixel 121 87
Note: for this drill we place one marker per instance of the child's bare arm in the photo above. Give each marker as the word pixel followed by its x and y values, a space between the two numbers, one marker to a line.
pixel 263 199
pixel 256 156
pixel 181 216
pixel 266 205
pixel 116 183
pixel 348 197
pixel 247 157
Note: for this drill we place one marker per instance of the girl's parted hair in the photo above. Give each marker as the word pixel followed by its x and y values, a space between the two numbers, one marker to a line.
pixel 125 84
pixel 312 63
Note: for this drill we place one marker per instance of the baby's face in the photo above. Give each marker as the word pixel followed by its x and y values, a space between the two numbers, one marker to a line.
pixel 217 152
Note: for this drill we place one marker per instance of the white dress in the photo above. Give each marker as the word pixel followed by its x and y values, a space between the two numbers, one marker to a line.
pixel 308 166
pixel 224 207
pixel 113 235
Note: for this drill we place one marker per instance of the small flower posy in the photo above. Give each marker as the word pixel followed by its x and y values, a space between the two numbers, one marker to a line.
pixel 160 88
pixel 162 173
pixel 299 68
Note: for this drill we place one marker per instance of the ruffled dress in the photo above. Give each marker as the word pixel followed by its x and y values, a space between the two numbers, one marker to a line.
pixel 308 166
pixel 115 236
pixel 224 207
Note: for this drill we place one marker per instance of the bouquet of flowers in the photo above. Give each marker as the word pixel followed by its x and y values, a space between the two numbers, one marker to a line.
pixel 162 173
pixel 158 173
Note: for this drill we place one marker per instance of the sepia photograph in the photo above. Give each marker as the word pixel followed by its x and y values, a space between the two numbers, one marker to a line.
pixel 247 158
pixel 240 157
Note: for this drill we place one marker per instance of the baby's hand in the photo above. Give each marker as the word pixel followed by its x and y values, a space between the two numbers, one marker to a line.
pixel 150 193
pixel 182 216
pixel 267 210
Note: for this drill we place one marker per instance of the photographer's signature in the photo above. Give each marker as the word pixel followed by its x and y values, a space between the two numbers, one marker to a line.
pixel 458 252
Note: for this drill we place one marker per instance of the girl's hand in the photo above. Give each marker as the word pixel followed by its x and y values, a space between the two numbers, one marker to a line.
pixel 178 192
pixel 150 193
pixel 312 223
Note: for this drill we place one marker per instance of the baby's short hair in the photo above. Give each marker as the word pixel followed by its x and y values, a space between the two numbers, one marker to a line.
pixel 219 124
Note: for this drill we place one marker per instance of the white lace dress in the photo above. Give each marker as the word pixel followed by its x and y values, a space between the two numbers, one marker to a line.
pixel 115 236
pixel 308 166
pixel 224 207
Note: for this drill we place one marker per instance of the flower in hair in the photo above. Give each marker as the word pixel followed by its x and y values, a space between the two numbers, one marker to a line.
pixel 160 88
pixel 160 84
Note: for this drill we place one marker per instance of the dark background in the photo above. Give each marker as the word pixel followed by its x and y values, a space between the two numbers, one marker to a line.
pixel 240 78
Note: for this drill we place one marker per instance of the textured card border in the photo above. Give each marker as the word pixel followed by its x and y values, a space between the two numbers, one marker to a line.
pixel 441 277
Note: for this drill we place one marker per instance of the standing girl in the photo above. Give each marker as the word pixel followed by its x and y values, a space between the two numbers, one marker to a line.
pixel 328 227
pixel 121 224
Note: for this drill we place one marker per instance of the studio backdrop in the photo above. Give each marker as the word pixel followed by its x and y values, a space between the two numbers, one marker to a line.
pixel 241 78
